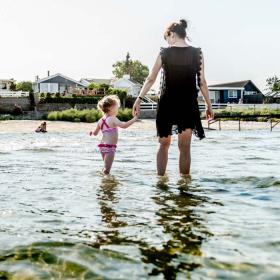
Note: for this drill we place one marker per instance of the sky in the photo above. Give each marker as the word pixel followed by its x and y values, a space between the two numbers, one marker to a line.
pixel 84 38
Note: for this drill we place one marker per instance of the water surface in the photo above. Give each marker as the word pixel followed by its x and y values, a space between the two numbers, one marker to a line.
pixel 61 219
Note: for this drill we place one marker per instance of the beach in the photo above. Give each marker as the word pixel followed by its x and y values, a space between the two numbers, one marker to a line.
pixel 26 126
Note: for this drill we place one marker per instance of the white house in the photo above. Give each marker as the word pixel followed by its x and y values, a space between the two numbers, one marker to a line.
pixel 133 88
pixel 57 83
pixel 5 84
pixel 5 89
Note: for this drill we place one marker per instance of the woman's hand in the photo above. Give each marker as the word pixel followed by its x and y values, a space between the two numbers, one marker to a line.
pixel 209 114
pixel 136 107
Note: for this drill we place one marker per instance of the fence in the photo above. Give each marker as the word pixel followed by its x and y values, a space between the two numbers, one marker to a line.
pixel 14 93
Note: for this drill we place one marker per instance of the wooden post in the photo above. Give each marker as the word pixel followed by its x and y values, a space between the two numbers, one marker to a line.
pixel 219 124
pixel 239 124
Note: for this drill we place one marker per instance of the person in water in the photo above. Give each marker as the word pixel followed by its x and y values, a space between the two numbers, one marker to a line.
pixel 182 68
pixel 108 125
pixel 42 127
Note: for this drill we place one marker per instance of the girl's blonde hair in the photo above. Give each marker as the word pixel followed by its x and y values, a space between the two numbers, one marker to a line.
pixel 107 102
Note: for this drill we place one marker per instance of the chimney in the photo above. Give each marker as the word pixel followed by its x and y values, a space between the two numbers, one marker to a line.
pixel 36 78
pixel 48 73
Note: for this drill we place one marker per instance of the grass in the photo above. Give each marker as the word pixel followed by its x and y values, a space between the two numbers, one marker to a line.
pixel 246 114
pixel 87 115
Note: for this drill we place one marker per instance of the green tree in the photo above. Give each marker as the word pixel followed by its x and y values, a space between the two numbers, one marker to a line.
pixel 134 68
pixel 273 84
pixel 24 86
pixel 122 94
pixel 93 86
pixel 13 86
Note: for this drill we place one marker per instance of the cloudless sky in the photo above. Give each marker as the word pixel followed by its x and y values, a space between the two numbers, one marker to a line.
pixel 83 38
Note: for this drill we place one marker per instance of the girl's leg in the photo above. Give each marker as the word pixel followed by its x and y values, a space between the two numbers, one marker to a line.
pixel 103 155
pixel 184 144
pixel 108 161
pixel 162 154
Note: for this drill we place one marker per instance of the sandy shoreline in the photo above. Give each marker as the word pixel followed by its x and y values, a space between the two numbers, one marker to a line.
pixel 26 126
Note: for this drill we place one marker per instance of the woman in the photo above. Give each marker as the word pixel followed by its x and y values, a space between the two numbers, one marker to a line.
pixel 182 73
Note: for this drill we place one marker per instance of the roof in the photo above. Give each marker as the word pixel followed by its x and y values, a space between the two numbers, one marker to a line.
pixel 7 80
pixel 60 75
pixel 273 94
pixel 237 84
pixel 234 85
pixel 97 80
pixel 133 82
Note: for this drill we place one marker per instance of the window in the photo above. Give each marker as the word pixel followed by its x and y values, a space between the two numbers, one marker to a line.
pixel 232 93
pixel 3 86
pixel 250 92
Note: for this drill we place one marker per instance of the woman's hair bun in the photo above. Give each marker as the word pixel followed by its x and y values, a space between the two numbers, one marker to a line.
pixel 183 23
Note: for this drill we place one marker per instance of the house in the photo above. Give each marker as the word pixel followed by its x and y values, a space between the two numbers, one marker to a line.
pixel 8 89
pixel 5 84
pixel 88 81
pixel 57 83
pixel 235 92
pixel 273 96
pixel 133 88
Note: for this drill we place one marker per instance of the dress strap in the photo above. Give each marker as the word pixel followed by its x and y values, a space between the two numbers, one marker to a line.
pixel 104 122
pixel 199 65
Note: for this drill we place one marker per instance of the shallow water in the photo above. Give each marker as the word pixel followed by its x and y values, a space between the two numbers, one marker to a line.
pixel 61 219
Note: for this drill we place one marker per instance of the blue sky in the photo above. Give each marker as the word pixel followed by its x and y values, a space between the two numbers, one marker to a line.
pixel 240 39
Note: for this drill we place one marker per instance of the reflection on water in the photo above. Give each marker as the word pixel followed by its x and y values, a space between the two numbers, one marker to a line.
pixel 185 228
pixel 61 219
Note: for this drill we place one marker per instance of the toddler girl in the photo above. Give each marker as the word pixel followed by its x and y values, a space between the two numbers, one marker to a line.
pixel 108 125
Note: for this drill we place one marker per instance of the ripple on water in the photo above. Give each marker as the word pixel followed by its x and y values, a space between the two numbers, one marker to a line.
pixel 60 260
pixel 134 225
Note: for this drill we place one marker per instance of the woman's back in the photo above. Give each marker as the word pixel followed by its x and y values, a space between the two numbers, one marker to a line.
pixel 180 68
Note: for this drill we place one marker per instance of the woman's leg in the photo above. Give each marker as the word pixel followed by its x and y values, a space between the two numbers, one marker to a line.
pixel 162 154
pixel 108 161
pixel 184 144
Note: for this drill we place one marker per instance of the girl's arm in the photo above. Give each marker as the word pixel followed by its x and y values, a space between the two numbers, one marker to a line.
pixel 96 131
pixel 121 124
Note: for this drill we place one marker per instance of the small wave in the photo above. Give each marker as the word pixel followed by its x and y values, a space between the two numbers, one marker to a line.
pixel 62 260
pixel 258 182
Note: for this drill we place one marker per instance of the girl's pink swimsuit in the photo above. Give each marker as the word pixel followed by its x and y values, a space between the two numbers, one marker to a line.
pixel 103 147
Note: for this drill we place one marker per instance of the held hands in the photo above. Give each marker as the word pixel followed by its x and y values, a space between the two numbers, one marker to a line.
pixel 209 114
pixel 136 108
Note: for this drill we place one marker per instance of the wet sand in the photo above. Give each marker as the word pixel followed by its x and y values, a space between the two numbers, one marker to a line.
pixel 26 126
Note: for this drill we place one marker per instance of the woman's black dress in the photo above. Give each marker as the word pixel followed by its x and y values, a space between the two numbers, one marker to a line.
pixel 178 106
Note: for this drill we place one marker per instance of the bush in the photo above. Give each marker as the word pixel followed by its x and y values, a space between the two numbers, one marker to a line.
pixel 125 114
pixel 246 114
pixel 71 100
pixel 90 116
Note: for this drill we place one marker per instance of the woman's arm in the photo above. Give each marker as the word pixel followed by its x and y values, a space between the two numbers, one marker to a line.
pixel 121 124
pixel 205 92
pixel 203 84
pixel 150 80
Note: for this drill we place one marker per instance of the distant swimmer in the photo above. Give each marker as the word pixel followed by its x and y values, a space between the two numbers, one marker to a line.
pixel 42 127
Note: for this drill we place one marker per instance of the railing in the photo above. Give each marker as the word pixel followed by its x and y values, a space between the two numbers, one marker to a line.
pixel 271 117
pixel 14 93
pixel 214 106
pixel 148 104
